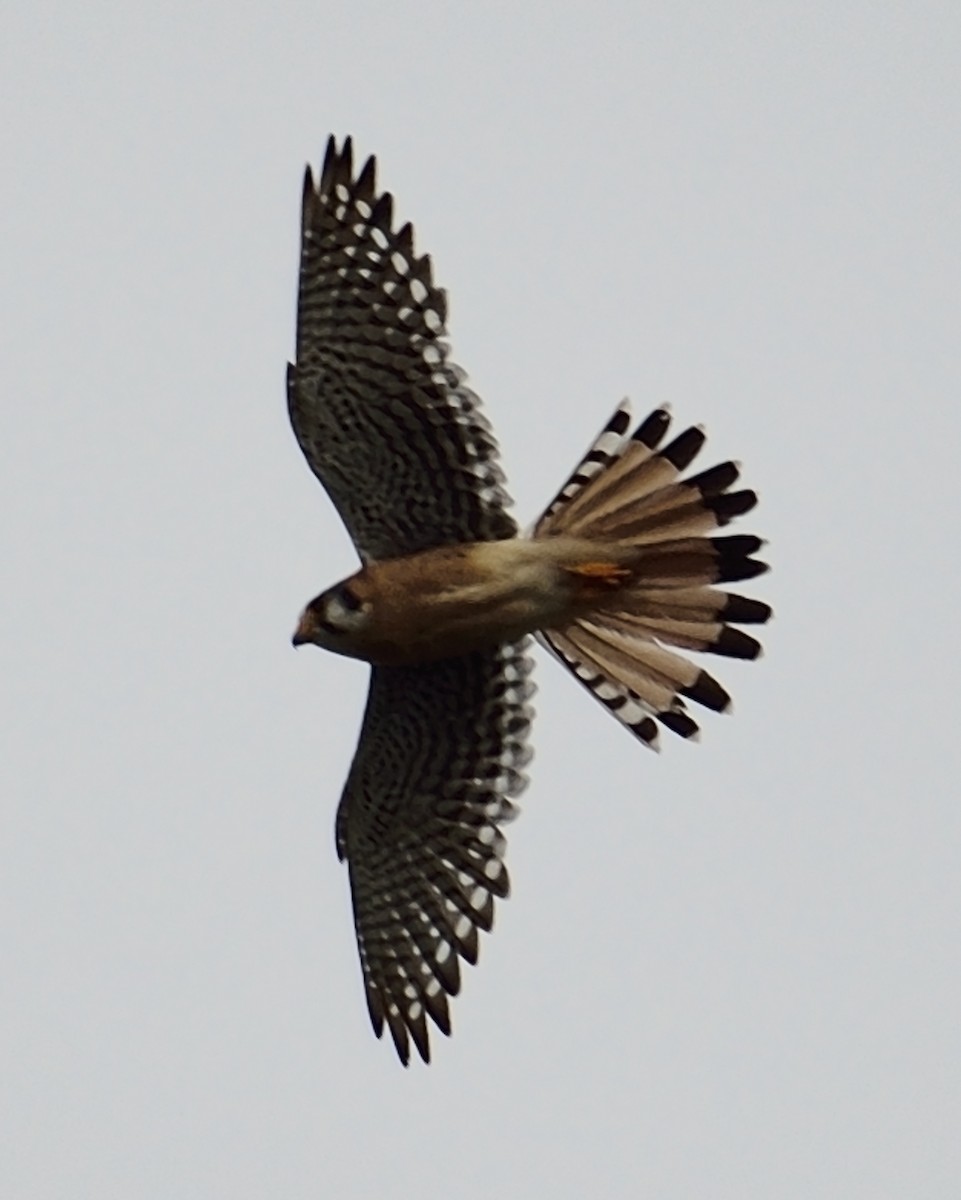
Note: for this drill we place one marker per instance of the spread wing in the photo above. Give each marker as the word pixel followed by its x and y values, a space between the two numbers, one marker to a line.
pixel 383 418
pixel 441 751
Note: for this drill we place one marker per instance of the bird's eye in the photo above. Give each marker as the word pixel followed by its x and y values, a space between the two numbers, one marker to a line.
pixel 349 599
pixel 338 611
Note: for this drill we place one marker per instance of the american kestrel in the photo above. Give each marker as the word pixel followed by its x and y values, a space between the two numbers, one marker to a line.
pixel 620 567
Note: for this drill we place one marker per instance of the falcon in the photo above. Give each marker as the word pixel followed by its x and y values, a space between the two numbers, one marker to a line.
pixel 618 574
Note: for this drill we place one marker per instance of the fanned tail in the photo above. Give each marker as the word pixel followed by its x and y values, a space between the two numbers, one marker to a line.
pixel 658 566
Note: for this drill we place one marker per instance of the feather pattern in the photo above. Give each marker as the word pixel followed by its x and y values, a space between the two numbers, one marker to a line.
pixel 441 756
pixel 629 499
pixel 390 428
pixel 373 395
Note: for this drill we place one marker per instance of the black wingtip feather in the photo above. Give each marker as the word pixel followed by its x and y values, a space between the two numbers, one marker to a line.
pixel 404 240
pixel 398 1032
pixel 366 183
pixel 383 213
pixel 439 1014
pixel 418 1031
pixel 330 158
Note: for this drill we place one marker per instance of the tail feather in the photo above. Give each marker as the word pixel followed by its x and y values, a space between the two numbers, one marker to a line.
pixel 701 604
pixel 616 698
pixel 652 674
pixel 671 631
pixel 627 500
pixel 604 452
pixel 612 458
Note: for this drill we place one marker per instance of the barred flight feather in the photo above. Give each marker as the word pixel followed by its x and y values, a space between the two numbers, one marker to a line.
pixel 426 856
pixel 373 393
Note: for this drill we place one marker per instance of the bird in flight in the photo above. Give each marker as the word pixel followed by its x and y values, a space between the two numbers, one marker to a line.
pixel 616 576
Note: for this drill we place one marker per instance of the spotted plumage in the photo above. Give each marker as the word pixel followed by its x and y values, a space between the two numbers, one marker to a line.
pixel 373 396
pixel 616 577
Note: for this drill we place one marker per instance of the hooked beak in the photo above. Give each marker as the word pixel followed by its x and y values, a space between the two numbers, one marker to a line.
pixel 301 633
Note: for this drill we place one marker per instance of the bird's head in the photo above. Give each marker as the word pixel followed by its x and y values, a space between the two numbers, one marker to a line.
pixel 335 620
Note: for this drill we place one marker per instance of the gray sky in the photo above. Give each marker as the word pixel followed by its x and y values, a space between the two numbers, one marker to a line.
pixel 730 971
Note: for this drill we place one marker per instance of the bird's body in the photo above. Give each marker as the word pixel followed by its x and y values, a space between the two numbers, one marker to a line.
pixel 616 576
pixel 450 600
pixel 458 599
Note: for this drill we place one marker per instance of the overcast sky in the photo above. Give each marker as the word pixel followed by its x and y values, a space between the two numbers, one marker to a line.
pixel 733 970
